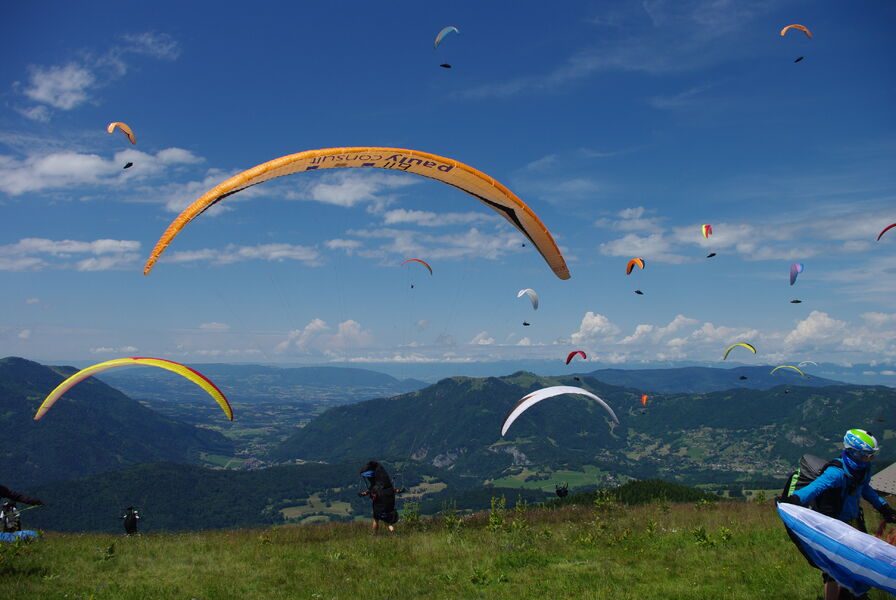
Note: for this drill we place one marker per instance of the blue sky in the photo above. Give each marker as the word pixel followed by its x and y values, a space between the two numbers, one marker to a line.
pixel 625 126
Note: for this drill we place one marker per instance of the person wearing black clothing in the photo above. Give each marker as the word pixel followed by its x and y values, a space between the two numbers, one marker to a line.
pixel 381 493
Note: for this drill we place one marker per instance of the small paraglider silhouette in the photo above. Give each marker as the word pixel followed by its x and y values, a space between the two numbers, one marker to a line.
pixel 128 165
pixel 577 379
pixel 795 301
pixel 639 292
pixel 799 58
pixel 561 490
pixel 445 66
pixel 526 323
pixel 743 377
pixel 710 255
pixel 786 391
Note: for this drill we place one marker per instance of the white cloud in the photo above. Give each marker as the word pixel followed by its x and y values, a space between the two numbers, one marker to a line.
pixel 67 169
pixel 233 254
pixel 214 326
pixel 32 254
pixel 112 350
pixel 652 247
pixel 156 45
pixel 32 301
pixel 315 337
pixel 24 334
pixel 816 329
pixel 471 243
pixel 62 87
pixel 431 219
pixel 524 342
pixel 482 339
pixel 65 87
pixel 594 327
pixel 348 188
pixel 347 246
pixel 36 113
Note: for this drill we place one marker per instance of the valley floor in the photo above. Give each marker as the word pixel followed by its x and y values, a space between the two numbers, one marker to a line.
pixel 729 550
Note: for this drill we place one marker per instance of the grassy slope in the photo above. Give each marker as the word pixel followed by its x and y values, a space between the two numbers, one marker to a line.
pixel 617 553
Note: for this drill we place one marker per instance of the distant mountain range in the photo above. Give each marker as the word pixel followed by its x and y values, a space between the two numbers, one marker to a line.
pixel 699 380
pixel 93 428
pixel 721 437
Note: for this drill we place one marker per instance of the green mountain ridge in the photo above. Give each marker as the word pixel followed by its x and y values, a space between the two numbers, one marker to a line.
pixel 726 437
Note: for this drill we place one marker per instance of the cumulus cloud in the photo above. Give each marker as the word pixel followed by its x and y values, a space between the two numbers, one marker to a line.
pixel 653 247
pixel 318 337
pixel 32 254
pixel 425 218
pixel 482 339
pixel 349 188
pixel 816 329
pixel 347 246
pixel 67 86
pixel 594 327
pixel 65 169
pixel 471 243
pixel 233 254
pixel 63 87
pixel 113 350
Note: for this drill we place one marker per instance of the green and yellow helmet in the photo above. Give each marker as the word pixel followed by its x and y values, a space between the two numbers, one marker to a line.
pixel 860 443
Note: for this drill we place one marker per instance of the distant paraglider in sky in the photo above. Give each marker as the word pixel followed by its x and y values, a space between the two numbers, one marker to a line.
pixel 644 399
pixel 728 350
pixel 635 262
pixel 445 31
pixel 791 367
pixel 799 58
pixel 796 301
pixel 743 377
pixel 798 27
pixel 533 297
pixel 795 270
pixel 417 260
pixel 184 371
pixel 710 255
pixel 535 397
pixel 526 324
pixel 445 66
pixel 884 230
pixel 639 292
pixel 122 127
pixel 476 183
pixel 128 165
pixel 573 354
pixel 706 229
pixel 807 362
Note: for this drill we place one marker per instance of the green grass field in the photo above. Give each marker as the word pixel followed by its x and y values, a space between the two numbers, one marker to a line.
pixel 729 550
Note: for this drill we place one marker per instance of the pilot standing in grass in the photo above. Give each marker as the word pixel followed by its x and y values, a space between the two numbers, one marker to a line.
pixel 381 494
pixel 837 491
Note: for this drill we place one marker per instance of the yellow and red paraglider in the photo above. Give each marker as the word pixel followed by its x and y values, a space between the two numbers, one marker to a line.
pixel 182 370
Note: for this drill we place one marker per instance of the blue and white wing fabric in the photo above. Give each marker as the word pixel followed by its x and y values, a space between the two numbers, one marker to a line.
pixel 441 35
pixel 856 560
